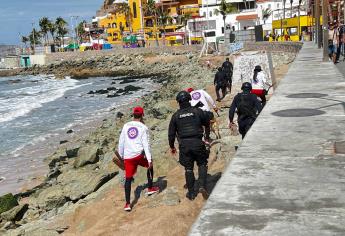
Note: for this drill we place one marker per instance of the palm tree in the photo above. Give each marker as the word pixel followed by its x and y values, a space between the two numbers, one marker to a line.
pixel 52 30
pixel 80 30
pixel 44 25
pixel 225 9
pixel 25 40
pixel 291 1
pixel 184 22
pixel 163 17
pixel 61 29
pixel 34 38
pixel 266 13
pixel 123 8
pixel 150 9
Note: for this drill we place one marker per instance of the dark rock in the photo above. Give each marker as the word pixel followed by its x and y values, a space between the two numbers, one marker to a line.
pixel 127 81
pixel 87 155
pixel 113 95
pixel 69 131
pixel 15 214
pixel 7 202
pixel 72 151
pixel 119 115
pixel 111 88
pixel 63 141
pixel 132 88
pixel 53 173
pixel 102 91
pixel 91 92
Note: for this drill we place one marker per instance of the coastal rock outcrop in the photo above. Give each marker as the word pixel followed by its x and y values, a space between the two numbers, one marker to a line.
pixel 87 155
pixel 7 202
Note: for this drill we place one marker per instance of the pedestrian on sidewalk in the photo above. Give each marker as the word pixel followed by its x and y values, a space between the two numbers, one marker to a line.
pixel 220 83
pixel 260 84
pixel 134 148
pixel 187 124
pixel 247 106
pixel 227 68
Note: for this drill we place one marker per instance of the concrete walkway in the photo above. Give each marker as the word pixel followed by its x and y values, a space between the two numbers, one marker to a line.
pixel 288 177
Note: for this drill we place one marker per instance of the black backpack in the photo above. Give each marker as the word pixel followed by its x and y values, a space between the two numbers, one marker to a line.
pixel 245 107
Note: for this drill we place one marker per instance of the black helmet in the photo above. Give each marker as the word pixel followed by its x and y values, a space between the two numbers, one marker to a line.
pixel 257 68
pixel 246 86
pixel 183 96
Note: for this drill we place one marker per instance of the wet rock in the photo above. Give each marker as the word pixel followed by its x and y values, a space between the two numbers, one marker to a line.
pixel 102 91
pixel 15 214
pixel 7 202
pixel 113 95
pixel 72 151
pixel 119 115
pixel 127 81
pixel 111 88
pixel 87 155
pixel 69 131
pixel 63 141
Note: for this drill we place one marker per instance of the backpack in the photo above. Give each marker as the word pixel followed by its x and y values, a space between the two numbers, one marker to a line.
pixel 245 107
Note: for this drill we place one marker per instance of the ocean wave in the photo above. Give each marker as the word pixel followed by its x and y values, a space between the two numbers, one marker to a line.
pixel 24 100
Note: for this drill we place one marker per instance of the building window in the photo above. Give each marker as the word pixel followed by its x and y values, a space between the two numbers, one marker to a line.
pixel 114 25
pixel 278 5
pixel 222 30
pixel 109 25
pixel 210 13
pixel 204 14
pixel 134 10
pixel 269 6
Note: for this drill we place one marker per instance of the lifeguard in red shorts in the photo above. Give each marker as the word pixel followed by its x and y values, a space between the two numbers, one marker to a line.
pixel 134 148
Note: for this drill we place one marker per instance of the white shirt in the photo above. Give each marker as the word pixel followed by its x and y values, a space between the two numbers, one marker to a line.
pixel 134 140
pixel 261 81
pixel 202 96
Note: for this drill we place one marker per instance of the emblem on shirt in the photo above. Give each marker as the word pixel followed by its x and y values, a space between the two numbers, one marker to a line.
pixel 196 96
pixel 132 132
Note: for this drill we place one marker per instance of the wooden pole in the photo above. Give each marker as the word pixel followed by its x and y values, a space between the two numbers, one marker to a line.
pixel 325 29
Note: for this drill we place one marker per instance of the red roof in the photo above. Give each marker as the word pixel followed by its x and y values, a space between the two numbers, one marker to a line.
pixel 247 17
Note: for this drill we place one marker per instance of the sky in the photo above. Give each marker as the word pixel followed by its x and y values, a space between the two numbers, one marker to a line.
pixel 17 16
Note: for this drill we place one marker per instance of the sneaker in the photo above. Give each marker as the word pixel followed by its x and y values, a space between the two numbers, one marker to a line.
pixel 127 207
pixel 152 190
pixel 191 196
pixel 204 193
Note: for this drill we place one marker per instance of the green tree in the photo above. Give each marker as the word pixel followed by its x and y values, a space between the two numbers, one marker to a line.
pixel 61 29
pixel 225 9
pixel 25 40
pixel 81 30
pixel 266 13
pixel 184 21
pixel 150 9
pixel 52 30
pixel 44 25
pixel 123 8
pixel 34 38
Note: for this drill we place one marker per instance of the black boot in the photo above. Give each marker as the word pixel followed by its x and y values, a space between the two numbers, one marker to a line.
pixel 202 180
pixel 190 180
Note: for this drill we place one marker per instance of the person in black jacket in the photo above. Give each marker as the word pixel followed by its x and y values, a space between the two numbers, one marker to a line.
pixel 227 68
pixel 220 83
pixel 188 124
pixel 248 106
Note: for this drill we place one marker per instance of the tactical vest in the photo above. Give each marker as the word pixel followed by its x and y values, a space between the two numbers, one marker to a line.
pixel 188 123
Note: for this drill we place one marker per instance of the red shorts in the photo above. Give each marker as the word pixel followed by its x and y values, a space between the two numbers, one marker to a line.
pixel 132 164
pixel 258 92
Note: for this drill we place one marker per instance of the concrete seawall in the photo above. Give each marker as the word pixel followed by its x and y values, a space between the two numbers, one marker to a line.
pixel 288 177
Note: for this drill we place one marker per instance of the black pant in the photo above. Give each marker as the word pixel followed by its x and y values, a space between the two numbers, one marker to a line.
pixel 339 51
pixel 229 81
pixel 244 125
pixel 193 150
pixel 223 88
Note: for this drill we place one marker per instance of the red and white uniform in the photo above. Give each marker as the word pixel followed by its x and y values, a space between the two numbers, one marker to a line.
pixel 259 86
pixel 134 146
pixel 202 96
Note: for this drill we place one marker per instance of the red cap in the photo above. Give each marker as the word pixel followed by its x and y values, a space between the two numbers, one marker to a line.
pixel 189 90
pixel 138 111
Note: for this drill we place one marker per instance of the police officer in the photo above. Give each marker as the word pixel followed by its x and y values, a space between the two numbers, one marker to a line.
pixel 227 68
pixel 220 83
pixel 247 106
pixel 187 124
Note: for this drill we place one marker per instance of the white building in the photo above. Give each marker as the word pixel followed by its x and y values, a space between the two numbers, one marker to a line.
pixel 248 15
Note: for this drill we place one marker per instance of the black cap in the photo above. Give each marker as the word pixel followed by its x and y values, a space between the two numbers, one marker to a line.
pixel 246 86
pixel 183 96
pixel 257 68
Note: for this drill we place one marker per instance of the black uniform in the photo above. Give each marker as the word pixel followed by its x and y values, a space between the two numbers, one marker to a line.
pixel 247 106
pixel 220 83
pixel 228 71
pixel 187 124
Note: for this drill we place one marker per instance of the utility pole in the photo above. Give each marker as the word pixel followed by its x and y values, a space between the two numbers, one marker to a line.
pixel 325 29
pixel 33 37
pixel 317 21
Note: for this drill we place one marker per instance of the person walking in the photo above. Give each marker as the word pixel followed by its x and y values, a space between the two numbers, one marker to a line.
pixel 134 148
pixel 203 100
pixel 187 124
pixel 220 83
pixel 260 84
pixel 227 67
pixel 247 106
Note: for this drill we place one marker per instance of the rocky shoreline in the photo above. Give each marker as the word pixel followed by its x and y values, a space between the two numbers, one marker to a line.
pixel 82 171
